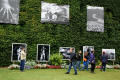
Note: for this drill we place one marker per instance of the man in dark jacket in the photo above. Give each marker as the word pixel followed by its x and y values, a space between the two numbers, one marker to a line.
pixel 104 59
pixel 92 61
pixel 79 59
pixel 72 61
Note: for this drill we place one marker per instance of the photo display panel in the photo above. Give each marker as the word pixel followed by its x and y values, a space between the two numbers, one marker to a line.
pixel 53 13
pixel 95 19
pixel 43 52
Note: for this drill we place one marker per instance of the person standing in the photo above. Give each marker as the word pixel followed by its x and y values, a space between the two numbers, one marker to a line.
pixel 79 59
pixel 85 61
pixel 104 59
pixel 72 62
pixel 22 58
pixel 92 61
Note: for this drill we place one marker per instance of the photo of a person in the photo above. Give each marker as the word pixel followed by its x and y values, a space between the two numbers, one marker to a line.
pixel 43 52
pixel 19 52
pixel 87 50
pixel 65 52
pixel 110 53
pixel 16 51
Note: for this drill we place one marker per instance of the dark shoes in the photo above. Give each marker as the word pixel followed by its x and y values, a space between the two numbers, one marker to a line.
pixel 75 74
pixel 93 72
pixel 67 73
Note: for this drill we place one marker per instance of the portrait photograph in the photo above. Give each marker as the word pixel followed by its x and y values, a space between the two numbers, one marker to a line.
pixel 87 50
pixel 43 52
pixel 16 51
pixel 110 53
pixel 65 52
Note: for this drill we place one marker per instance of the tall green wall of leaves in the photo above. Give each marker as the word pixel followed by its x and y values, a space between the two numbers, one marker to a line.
pixel 31 31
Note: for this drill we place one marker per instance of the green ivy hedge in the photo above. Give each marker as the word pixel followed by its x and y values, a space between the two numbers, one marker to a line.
pixel 32 32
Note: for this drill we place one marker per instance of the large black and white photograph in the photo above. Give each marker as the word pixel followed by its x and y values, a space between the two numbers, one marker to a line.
pixel 95 19
pixel 110 53
pixel 16 51
pixel 87 50
pixel 53 13
pixel 43 52
pixel 65 52
pixel 9 11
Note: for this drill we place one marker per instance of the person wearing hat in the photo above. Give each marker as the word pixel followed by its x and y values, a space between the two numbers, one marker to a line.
pixel 22 58
pixel 92 61
pixel 72 62
pixel 104 59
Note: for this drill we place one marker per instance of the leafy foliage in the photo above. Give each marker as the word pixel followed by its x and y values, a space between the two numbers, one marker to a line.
pixel 32 32
pixel 55 59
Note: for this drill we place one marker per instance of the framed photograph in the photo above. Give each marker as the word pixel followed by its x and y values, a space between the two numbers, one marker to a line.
pixel 9 11
pixel 16 50
pixel 110 53
pixel 43 52
pixel 87 50
pixel 65 52
pixel 53 13
pixel 95 19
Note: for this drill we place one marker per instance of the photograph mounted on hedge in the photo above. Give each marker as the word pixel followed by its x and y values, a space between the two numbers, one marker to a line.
pixel 43 52
pixel 16 50
pixel 53 13
pixel 9 11
pixel 64 51
pixel 110 53
pixel 95 19
pixel 87 50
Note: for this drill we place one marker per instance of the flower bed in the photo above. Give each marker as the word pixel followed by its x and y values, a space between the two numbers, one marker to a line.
pixel 13 66
pixel 53 67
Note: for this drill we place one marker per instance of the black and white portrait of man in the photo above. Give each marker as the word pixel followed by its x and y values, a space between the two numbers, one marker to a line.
pixel 87 50
pixel 65 52
pixel 9 11
pixel 43 52
pixel 95 19
pixel 110 53
pixel 16 51
pixel 54 13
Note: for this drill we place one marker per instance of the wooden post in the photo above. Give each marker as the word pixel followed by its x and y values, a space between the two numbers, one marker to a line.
pixel 13 62
pixel 113 62
pixel 38 62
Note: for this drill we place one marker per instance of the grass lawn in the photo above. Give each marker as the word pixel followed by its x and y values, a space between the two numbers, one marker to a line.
pixel 57 74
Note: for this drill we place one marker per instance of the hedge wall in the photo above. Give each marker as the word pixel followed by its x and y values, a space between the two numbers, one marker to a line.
pixel 31 31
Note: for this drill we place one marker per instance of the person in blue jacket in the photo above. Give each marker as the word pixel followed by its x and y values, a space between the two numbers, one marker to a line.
pixel 104 59
pixel 92 61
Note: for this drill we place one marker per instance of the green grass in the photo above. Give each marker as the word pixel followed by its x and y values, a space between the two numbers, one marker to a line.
pixel 57 74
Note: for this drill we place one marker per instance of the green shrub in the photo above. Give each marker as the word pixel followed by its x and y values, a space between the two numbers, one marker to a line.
pixel 55 59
